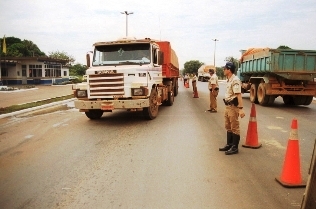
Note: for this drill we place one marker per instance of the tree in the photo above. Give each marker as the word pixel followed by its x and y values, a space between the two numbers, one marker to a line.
pixel 77 69
pixel 61 55
pixel 220 72
pixel 18 48
pixel 32 49
pixel 233 60
pixel 283 47
pixel 192 66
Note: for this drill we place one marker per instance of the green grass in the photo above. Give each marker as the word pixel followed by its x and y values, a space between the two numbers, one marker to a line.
pixel 14 108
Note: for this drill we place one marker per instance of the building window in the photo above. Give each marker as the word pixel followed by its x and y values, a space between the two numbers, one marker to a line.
pixel 47 72
pixel 53 70
pixel 23 70
pixel 4 72
pixel 35 70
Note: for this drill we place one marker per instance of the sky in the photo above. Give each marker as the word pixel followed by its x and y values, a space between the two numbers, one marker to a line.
pixel 72 26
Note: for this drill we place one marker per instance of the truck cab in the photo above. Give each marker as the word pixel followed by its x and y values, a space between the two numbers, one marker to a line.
pixel 124 74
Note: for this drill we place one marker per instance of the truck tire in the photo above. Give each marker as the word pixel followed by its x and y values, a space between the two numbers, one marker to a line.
pixel 299 100
pixel 271 100
pixel 253 93
pixel 308 100
pixel 288 100
pixel 263 99
pixel 94 114
pixel 170 98
pixel 151 112
pixel 176 88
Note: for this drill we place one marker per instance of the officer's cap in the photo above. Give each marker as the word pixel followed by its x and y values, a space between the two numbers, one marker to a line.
pixel 230 65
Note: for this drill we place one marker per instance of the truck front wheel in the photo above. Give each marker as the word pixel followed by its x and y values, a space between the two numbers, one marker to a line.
pixel 94 114
pixel 151 112
pixel 170 98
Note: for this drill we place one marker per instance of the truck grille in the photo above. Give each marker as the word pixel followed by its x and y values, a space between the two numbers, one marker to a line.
pixel 109 84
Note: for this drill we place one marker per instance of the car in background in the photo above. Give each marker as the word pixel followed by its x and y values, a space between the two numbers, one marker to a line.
pixel 73 77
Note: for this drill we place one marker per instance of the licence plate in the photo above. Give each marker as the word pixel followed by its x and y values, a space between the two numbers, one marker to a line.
pixel 107 106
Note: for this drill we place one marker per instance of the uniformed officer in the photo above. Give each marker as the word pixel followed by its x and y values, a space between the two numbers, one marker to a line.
pixel 194 82
pixel 234 109
pixel 213 87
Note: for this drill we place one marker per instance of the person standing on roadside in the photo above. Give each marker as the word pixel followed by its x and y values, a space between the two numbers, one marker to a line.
pixel 185 79
pixel 213 87
pixel 194 83
pixel 234 109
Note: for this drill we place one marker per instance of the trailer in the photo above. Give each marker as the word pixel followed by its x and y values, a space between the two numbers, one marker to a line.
pixel 131 74
pixel 268 73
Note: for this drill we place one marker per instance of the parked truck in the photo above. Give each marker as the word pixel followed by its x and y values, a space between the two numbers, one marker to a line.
pixel 204 72
pixel 268 73
pixel 132 74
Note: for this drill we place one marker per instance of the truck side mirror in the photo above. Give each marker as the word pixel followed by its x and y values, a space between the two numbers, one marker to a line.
pixel 88 59
pixel 160 58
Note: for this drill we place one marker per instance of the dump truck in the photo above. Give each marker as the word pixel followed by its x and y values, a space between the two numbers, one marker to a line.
pixel 131 74
pixel 268 73
pixel 204 72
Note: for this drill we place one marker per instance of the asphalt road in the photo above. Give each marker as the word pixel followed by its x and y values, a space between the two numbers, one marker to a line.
pixel 64 160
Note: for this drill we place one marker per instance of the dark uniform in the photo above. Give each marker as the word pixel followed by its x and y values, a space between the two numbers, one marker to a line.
pixel 232 111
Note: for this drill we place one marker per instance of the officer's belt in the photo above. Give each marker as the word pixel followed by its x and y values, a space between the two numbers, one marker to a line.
pixel 232 102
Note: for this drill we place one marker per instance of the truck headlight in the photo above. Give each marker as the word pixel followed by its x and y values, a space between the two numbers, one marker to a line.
pixel 137 92
pixel 81 93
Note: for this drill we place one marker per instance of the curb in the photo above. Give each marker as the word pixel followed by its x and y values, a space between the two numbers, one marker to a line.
pixel 36 108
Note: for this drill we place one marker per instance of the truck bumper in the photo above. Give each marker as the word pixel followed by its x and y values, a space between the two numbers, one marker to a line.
pixel 111 104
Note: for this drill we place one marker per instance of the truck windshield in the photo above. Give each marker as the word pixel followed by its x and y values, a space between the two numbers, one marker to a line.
pixel 121 54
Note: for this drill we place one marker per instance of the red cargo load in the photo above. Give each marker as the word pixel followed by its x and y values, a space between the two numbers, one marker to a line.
pixel 170 67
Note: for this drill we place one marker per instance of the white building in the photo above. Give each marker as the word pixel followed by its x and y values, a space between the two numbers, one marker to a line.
pixel 33 70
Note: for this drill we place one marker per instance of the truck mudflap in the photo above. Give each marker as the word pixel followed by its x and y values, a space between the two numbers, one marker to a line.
pixel 111 104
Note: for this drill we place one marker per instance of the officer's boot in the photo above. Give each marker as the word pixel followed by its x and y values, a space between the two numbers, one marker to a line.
pixel 234 148
pixel 229 142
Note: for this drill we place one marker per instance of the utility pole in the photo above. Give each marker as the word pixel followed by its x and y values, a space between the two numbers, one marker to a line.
pixel 127 13
pixel 0 63
pixel 215 49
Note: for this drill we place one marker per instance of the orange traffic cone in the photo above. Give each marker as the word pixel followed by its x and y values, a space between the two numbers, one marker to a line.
pixel 291 173
pixel 252 133
pixel 196 94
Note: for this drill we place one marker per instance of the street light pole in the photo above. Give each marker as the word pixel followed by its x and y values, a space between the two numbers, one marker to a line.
pixel 215 49
pixel 126 13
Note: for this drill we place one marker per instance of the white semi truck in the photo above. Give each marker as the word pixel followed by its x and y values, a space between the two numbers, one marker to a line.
pixel 132 74
pixel 204 72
